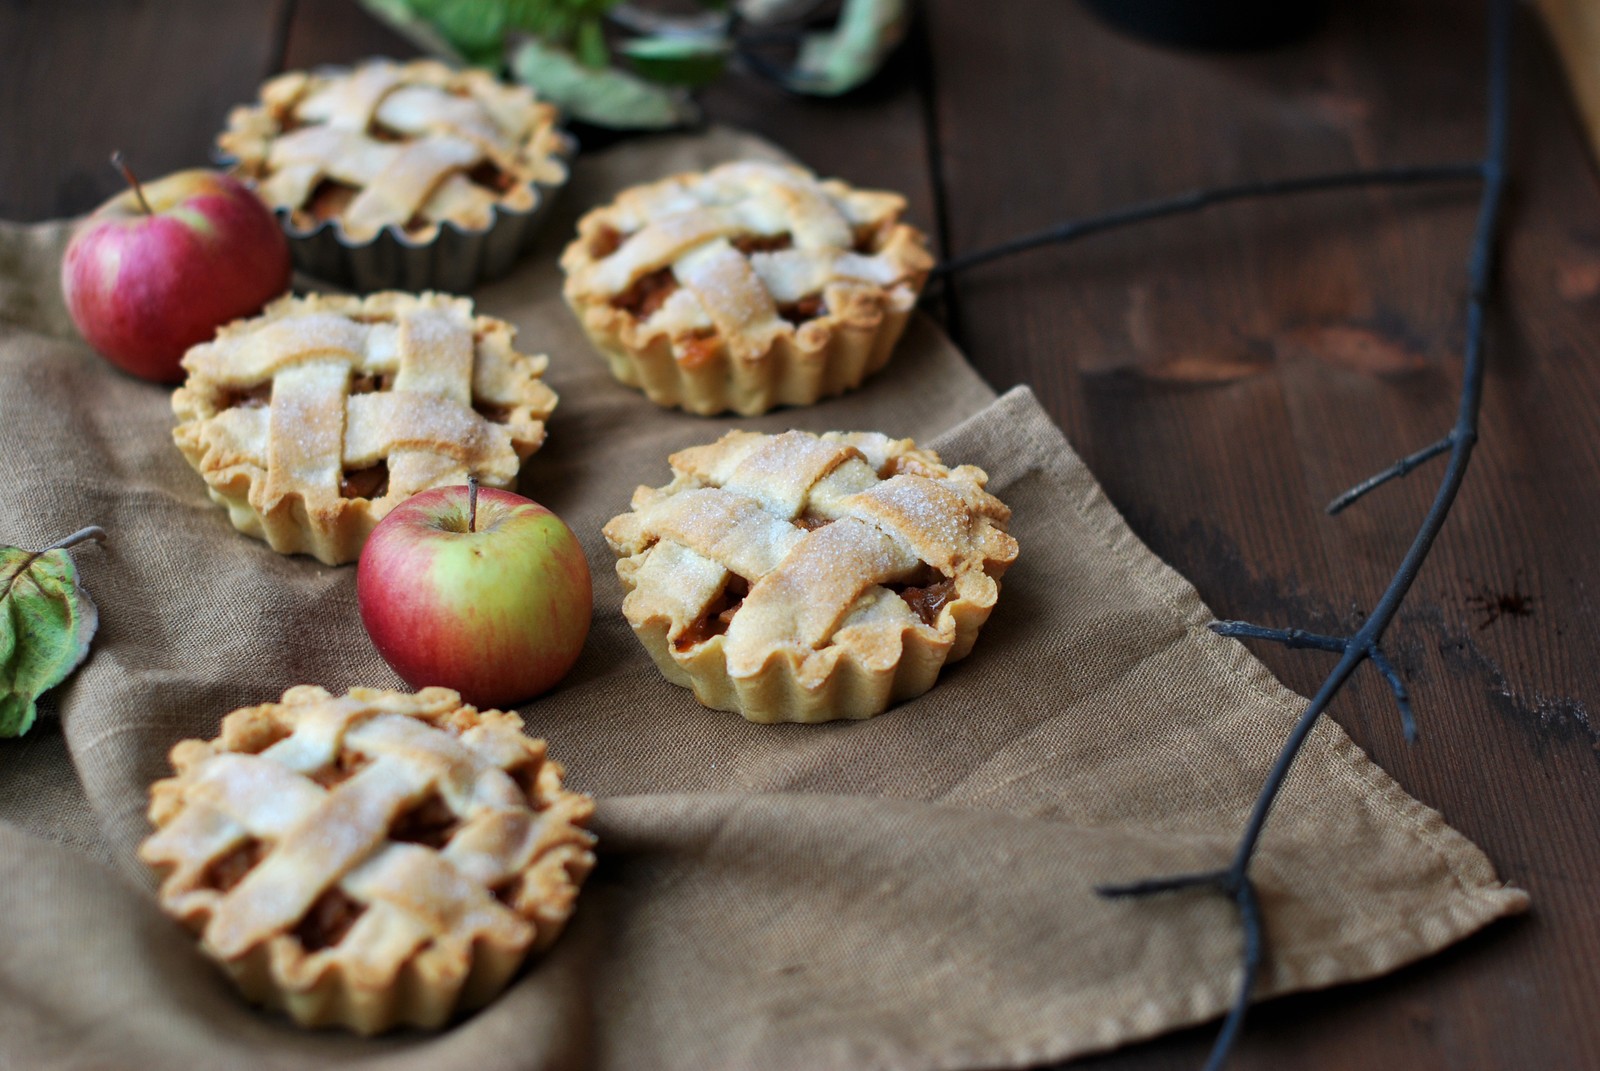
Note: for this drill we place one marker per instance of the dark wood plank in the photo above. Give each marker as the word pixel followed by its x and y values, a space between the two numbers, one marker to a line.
pixel 154 80
pixel 337 32
pixel 1225 375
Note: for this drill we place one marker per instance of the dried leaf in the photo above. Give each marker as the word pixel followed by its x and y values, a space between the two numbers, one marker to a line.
pixel 852 52
pixel 46 623
pixel 679 61
pixel 605 97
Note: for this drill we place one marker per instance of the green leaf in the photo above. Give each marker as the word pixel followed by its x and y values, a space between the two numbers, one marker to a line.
pixel 476 28
pixel 403 18
pixel 607 97
pixel 679 61
pixel 592 50
pixel 838 61
pixel 46 623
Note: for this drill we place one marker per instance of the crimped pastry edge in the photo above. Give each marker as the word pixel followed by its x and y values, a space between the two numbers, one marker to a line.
pixel 852 689
pixel 429 989
pixel 821 358
pixel 836 356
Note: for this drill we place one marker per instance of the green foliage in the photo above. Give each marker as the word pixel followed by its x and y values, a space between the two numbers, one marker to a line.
pixel 605 96
pixel 46 623
pixel 559 47
pixel 842 59
pixel 679 61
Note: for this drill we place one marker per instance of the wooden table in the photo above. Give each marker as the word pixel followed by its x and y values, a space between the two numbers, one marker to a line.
pixel 1224 374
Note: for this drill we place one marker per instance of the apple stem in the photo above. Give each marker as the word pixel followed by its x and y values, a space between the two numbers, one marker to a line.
pixel 472 502
pixel 82 535
pixel 127 174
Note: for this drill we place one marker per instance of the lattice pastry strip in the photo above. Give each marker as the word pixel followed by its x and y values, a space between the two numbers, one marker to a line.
pixel 371 859
pixel 744 287
pixel 804 578
pixel 312 421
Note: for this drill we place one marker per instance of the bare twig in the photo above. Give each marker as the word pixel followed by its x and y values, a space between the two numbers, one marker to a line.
pixel 1395 471
pixel 1195 200
pixel 1234 881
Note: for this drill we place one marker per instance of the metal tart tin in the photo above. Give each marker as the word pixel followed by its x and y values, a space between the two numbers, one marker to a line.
pixel 454 261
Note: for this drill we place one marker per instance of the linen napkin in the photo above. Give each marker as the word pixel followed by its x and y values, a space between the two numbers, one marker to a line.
pixel 910 892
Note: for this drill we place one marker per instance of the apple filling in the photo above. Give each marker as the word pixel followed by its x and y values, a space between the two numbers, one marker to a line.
pixel 696 348
pixel 762 243
pixel 870 238
pixel 926 599
pixel 328 920
pixel 717 616
pixel 430 823
pixel 329 199
pixel 370 382
pixel 228 870
pixel 810 523
pixel 807 308
pixel 257 397
pixel 369 483
pixel 649 293
pixel 491 178
pixel 345 767
pixel 605 241
pixel 905 464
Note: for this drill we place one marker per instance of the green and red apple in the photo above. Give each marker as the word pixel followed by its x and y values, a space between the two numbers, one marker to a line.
pixel 159 267
pixel 485 592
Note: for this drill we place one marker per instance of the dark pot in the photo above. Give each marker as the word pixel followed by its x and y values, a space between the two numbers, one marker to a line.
pixel 1214 24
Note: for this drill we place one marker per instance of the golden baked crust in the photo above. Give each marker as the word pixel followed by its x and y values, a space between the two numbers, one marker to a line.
pixel 313 420
pixel 371 860
pixel 802 578
pixel 409 146
pixel 745 287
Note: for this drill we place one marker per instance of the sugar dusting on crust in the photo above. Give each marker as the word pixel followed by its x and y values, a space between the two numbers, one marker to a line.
pixel 281 477
pixel 828 283
pixel 897 529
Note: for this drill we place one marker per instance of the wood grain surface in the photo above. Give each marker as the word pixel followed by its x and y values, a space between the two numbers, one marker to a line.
pixel 1224 375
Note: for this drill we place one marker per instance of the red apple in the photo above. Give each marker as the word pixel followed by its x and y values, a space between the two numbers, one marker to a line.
pixel 160 267
pixel 493 601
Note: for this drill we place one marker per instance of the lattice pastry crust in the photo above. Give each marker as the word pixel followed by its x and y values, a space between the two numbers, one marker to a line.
pixel 312 421
pixel 745 287
pixel 802 578
pixel 371 860
pixel 409 145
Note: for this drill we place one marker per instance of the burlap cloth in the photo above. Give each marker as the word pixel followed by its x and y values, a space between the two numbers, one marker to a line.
pixel 908 892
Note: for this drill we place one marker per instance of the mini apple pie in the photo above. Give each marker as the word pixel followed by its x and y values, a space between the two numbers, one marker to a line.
pixel 745 287
pixel 410 146
pixel 313 420
pixel 370 860
pixel 802 578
